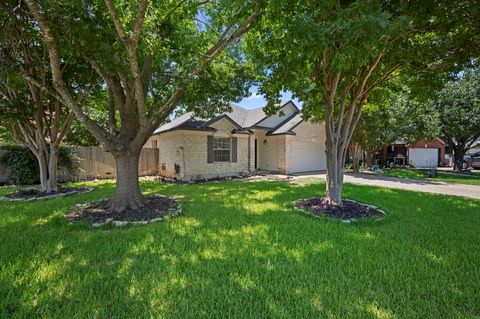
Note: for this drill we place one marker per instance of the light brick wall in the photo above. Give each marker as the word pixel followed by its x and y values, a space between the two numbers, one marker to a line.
pixel 251 165
pixel 304 132
pixel 282 153
pixel 170 153
pixel 189 150
pixel 196 166
pixel 309 132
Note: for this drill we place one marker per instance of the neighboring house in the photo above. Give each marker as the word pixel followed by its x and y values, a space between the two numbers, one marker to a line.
pixel 419 154
pixel 241 141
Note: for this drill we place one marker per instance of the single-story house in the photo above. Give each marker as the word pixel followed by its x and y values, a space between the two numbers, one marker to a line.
pixel 419 154
pixel 237 142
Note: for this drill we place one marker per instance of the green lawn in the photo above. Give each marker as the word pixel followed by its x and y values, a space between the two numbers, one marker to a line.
pixel 461 178
pixel 239 250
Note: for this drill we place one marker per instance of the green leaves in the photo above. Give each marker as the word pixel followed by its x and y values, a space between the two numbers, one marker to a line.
pixel 458 105
pixel 23 165
pixel 288 49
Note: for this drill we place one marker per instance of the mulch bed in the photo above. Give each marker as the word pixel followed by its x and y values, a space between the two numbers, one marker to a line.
pixel 348 211
pixel 32 194
pixel 98 213
pixel 169 180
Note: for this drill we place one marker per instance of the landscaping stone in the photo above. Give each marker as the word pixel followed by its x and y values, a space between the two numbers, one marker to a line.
pixel 99 212
pixel 32 194
pixel 349 211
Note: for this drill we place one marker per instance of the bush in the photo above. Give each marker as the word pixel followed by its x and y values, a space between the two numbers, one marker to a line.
pixel 23 165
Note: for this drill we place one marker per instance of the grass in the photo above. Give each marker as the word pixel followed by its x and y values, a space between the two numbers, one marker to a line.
pixel 451 177
pixel 240 250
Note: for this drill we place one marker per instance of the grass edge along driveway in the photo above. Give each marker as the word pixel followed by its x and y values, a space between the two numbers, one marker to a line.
pixel 448 177
pixel 240 250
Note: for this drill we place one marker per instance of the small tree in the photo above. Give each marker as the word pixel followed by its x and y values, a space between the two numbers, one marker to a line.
pixel 331 55
pixel 28 102
pixel 152 57
pixel 458 105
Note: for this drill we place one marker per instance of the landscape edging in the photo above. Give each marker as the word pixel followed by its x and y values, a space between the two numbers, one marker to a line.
pixel 346 221
pixel 22 200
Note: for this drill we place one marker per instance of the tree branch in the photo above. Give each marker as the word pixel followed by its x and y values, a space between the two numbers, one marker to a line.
pixel 58 81
pixel 207 57
pixel 118 25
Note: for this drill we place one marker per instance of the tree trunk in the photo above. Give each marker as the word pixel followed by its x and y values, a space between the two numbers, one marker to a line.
pixel 458 154
pixel 52 185
pixel 368 160
pixel 356 152
pixel 43 166
pixel 334 180
pixel 335 155
pixel 127 194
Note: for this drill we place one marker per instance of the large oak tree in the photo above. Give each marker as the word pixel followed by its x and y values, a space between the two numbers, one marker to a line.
pixel 152 56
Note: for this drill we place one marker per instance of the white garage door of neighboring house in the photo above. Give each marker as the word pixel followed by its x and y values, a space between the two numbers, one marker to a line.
pixel 307 157
pixel 423 157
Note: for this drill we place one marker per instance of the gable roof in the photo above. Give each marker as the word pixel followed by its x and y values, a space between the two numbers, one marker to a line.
pixel 241 118
pixel 186 121
pixel 287 126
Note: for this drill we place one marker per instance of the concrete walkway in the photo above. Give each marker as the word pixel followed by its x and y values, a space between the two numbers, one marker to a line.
pixel 444 188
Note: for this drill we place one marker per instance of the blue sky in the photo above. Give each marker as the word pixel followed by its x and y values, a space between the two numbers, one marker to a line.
pixel 255 100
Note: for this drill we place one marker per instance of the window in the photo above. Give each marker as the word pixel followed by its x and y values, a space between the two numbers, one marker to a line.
pixel 164 166
pixel 154 144
pixel 221 149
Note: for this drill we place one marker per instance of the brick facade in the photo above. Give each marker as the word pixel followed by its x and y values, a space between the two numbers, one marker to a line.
pixel 305 132
pixel 188 151
pixel 404 149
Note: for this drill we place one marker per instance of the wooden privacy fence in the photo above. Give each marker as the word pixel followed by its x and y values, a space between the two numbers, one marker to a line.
pixel 96 163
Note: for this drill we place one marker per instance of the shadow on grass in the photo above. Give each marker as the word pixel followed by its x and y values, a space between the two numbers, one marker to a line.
pixel 239 250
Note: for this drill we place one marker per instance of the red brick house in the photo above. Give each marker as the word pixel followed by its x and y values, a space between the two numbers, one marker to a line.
pixel 419 154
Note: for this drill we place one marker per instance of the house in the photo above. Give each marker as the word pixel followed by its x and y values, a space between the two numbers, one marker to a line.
pixel 419 154
pixel 237 142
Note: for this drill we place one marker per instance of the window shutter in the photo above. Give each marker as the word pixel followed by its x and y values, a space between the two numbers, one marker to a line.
pixel 234 149
pixel 209 149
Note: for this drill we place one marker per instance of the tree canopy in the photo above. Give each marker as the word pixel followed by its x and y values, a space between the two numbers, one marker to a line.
pixel 332 55
pixel 151 57
pixel 458 107
pixel 28 101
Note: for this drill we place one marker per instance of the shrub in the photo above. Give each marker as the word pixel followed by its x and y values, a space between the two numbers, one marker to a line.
pixel 23 165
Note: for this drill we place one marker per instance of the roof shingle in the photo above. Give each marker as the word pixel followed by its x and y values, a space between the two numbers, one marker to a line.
pixel 243 118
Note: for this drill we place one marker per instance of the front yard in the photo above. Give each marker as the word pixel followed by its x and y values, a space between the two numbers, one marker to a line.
pixel 450 177
pixel 240 250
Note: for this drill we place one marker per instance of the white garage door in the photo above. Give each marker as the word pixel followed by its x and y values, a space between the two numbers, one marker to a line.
pixel 307 157
pixel 423 157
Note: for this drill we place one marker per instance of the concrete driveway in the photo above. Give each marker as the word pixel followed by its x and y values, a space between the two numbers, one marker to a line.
pixel 434 187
